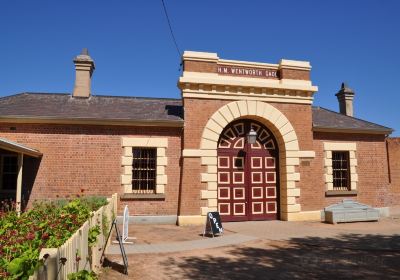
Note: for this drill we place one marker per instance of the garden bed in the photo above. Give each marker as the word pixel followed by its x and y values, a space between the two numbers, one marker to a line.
pixel 51 225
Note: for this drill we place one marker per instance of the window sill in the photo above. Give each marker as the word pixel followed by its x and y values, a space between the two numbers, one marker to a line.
pixel 341 193
pixel 136 196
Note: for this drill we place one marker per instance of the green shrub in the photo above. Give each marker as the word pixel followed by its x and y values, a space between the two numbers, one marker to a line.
pixel 94 202
pixel 92 235
pixel 46 225
pixel 82 275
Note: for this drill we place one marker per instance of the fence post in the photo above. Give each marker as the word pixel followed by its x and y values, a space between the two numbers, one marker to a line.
pixel 51 264
pixel 115 202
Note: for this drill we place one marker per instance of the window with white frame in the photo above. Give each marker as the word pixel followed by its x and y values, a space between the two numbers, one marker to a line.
pixel 340 166
pixel 341 170
pixel 144 164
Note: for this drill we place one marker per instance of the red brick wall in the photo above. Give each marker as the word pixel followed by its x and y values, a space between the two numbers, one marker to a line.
pixel 393 145
pixel 295 74
pixel 200 66
pixel 372 170
pixel 191 186
pixel 88 157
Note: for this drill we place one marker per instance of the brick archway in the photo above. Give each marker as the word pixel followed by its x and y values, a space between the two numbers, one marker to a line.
pixel 288 144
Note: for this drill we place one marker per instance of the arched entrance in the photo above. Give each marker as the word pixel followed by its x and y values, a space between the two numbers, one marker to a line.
pixel 248 174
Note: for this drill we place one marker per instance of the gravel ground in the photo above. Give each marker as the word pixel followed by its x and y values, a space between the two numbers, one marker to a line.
pixel 360 251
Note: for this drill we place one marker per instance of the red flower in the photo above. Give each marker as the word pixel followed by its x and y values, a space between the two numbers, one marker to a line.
pixel 45 236
pixel 30 236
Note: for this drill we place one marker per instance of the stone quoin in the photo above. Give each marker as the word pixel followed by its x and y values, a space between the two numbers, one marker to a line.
pixel 178 159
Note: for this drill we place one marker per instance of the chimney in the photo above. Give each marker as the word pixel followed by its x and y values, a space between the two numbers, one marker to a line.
pixel 84 67
pixel 345 97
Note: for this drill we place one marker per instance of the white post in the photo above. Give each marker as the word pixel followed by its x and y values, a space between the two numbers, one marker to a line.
pixel 115 204
pixel 19 182
pixel 125 226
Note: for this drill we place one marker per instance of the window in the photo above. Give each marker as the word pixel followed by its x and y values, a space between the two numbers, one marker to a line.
pixel 340 162
pixel 341 170
pixel 8 172
pixel 144 163
pixel 144 166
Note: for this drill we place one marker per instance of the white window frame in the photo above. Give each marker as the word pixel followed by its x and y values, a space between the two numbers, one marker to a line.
pixel 161 144
pixel 329 147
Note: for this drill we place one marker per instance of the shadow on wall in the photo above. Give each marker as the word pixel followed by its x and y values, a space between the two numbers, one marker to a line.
pixel 30 170
pixel 345 257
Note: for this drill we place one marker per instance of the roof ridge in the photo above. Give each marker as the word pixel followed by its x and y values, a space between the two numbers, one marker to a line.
pixel 47 93
pixel 97 95
pixel 13 95
pixel 137 97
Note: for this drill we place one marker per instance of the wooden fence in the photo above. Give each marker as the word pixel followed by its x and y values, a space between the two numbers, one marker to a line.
pixel 76 251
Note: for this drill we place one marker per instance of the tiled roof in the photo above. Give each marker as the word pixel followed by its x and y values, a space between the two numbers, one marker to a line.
pixel 64 106
pixel 330 120
pixel 119 108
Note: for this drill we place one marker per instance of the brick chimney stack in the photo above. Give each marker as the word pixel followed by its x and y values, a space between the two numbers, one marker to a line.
pixel 345 97
pixel 84 67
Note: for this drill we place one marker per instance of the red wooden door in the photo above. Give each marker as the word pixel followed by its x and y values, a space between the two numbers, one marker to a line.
pixel 248 181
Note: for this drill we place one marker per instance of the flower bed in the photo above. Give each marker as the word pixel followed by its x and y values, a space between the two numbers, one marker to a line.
pixel 47 225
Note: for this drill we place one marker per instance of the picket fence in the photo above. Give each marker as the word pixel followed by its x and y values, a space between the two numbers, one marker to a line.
pixel 76 249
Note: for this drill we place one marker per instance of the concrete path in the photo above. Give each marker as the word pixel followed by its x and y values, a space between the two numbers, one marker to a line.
pixel 205 243
pixel 241 232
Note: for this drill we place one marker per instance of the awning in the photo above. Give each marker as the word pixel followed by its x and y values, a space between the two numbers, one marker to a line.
pixel 18 148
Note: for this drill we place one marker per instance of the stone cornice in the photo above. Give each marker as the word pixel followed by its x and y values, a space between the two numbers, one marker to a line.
pixel 248 64
pixel 200 56
pixel 214 79
pixel 212 86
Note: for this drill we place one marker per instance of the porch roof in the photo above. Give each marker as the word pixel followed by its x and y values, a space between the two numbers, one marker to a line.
pixel 18 148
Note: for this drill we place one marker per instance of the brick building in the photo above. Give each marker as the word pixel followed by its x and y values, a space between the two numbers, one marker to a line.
pixel 244 140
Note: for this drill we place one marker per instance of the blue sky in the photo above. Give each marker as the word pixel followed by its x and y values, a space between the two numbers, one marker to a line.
pixel 353 41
